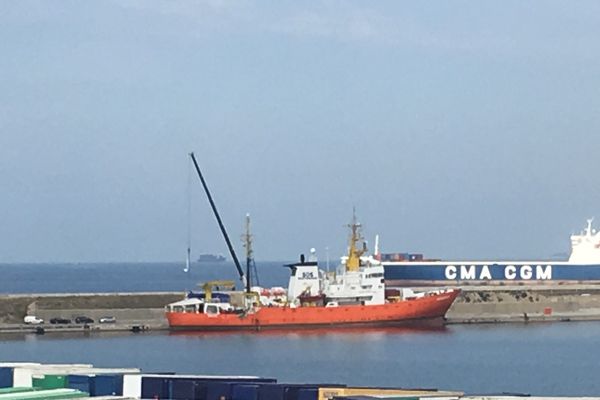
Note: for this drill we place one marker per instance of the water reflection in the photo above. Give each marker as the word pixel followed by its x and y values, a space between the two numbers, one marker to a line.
pixel 80 335
pixel 341 331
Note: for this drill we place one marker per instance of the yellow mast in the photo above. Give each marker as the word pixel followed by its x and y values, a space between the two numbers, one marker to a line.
pixel 354 253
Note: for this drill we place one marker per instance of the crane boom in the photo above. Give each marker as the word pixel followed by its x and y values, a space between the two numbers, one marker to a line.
pixel 218 217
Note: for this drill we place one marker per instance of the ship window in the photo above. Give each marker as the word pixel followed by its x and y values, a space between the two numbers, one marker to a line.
pixel 190 308
pixel 212 309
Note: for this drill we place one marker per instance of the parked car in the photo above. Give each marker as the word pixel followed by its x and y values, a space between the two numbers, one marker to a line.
pixel 84 320
pixel 107 320
pixel 32 320
pixel 60 321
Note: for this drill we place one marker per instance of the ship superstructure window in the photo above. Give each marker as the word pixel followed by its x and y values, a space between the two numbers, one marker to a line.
pixel 212 309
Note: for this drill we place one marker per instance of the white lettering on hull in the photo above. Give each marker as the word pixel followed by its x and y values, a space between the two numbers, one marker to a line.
pixel 450 272
pixel 467 273
pixel 485 273
pixel 543 272
pixel 526 272
pixel 511 272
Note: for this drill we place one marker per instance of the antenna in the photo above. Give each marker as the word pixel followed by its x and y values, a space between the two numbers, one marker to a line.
pixel 589 226
pixel 354 253
pixel 250 265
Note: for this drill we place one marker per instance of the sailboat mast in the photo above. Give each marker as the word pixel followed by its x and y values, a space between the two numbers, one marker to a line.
pixel 218 217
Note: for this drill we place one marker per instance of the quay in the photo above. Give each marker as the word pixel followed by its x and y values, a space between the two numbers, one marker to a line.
pixel 132 311
pixel 145 311
pixel 526 303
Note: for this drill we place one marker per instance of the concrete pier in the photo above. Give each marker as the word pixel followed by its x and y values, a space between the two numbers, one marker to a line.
pixel 487 304
pixel 132 311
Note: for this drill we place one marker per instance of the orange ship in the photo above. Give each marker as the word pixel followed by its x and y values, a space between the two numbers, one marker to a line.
pixel 354 295
pixel 433 306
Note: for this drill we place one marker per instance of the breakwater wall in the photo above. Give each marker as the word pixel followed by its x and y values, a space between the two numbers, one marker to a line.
pixel 483 304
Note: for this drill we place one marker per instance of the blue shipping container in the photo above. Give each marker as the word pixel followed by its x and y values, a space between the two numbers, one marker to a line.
pixel 245 392
pixel 79 382
pixel 107 385
pixel 153 387
pixel 308 394
pixel 218 390
pixel 293 391
pixel 183 389
pixel 271 391
pixel 6 377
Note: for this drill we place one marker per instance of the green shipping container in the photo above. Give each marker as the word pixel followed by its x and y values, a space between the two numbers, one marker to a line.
pixel 50 382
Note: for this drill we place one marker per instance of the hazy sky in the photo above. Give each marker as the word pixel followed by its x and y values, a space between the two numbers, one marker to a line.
pixel 461 129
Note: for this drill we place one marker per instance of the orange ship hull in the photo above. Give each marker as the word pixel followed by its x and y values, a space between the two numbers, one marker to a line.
pixel 407 311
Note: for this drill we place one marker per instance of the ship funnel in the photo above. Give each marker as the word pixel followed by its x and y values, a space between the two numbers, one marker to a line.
pixel 376 249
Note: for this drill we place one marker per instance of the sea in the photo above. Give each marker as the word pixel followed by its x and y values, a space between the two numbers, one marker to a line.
pixel 551 359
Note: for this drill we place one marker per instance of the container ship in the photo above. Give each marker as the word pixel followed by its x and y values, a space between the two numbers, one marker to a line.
pixel 354 295
pixel 582 266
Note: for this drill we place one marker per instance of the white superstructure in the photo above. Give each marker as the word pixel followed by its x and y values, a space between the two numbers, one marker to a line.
pixel 585 247
pixel 365 285
pixel 358 280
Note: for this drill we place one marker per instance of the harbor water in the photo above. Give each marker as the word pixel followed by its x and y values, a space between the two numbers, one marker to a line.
pixel 125 277
pixel 542 359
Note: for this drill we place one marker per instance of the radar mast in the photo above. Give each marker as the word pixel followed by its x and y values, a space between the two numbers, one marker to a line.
pixel 354 253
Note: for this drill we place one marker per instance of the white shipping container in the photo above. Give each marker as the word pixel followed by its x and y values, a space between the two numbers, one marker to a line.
pixel 18 364
pixel 132 385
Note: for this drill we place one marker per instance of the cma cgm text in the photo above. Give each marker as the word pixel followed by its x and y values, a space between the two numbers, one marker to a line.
pixel 511 272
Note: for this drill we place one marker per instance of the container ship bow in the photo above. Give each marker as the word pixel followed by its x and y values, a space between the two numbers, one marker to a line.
pixel 583 266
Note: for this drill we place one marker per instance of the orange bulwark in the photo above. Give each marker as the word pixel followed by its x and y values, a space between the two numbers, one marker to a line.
pixel 431 306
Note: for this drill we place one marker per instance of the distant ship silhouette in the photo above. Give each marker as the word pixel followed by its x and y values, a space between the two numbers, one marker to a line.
pixel 211 258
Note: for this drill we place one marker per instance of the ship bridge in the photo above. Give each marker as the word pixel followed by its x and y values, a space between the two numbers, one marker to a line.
pixel 585 247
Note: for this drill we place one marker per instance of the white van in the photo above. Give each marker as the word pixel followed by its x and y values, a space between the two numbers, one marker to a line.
pixel 33 320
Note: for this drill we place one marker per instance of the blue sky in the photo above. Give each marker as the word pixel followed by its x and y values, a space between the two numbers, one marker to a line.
pixel 459 129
